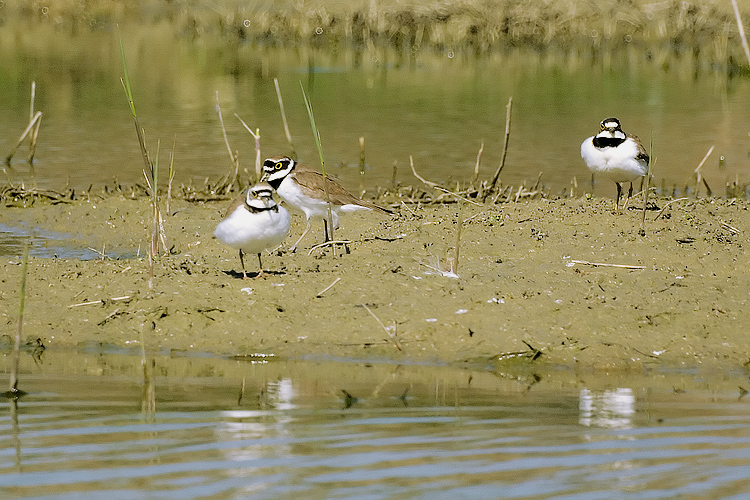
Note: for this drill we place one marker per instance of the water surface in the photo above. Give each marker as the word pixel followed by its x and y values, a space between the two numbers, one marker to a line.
pixel 233 429
pixel 437 108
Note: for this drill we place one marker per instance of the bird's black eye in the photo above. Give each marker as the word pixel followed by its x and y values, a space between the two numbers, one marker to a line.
pixel 601 126
pixel 278 165
pixel 255 194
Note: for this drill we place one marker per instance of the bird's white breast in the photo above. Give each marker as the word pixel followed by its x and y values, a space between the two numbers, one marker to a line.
pixel 254 232
pixel 620 164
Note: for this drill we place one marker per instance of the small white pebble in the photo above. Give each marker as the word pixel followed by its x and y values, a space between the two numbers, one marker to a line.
pixel 431 320
pixel 462 311
pixel 247 290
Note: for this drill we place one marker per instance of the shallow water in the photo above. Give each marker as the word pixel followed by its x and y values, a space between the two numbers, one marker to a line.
pixel 438 108
pixel 235 429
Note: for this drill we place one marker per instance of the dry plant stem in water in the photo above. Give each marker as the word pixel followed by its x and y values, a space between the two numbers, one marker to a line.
pixel 13 385
pixel 699 177
pixel 32 131
pixel 476 166
pixel 256 136
pixel 508 109
pixel 233 155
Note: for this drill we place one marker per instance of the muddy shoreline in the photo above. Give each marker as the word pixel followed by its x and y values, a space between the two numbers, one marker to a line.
pixel 527 292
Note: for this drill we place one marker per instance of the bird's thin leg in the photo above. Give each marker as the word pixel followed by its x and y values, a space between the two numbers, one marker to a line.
pixel 294 247
pixel 630 194
pixel 619 193
pixel 242 262
pixel 325 228
pixel 260 266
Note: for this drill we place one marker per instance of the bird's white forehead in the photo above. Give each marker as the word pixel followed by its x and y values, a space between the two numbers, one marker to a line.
pixel 611 124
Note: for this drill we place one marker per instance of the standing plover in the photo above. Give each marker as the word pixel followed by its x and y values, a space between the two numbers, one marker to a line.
pixel 615 155
pixel 303 188
pixel 254 222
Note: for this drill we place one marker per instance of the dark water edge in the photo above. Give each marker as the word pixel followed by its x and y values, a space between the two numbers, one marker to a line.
pixel 701 30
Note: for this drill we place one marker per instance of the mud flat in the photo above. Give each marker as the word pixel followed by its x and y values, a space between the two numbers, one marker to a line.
pixel 556 283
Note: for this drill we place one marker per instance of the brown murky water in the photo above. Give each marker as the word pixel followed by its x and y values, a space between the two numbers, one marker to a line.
pixel 231 429
pixel 439 109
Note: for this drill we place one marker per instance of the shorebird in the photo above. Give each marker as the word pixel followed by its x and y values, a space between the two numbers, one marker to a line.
pixel 254 222
pixel 616 155
pixel 304 189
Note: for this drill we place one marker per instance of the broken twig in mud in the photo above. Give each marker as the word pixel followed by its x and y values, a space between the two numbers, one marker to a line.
pixel 390 330
pixel 328 244
pixel 729 228
pixel 666 205
pixel 604 264
pixel 320 293
pixel 437 186
pixel 101 301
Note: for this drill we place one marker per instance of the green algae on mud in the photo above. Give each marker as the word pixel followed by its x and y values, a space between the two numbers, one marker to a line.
pixel 524 285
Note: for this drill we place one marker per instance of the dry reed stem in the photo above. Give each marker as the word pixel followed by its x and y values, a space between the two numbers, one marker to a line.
pixel 458 196
pixel 293 153
pixel 699 176
pixel 33 123
pixel 476 166
pixel 508 109
pixel 424 181
pixel 604 264
pixel 391 332
pixel 729 227
pixel 327 244
pixel 741 29
pixel 171 178
pixel 320 293
pixel 233 156
pixel 256 136
pixel 361 165
pixel 457 248
pixel 666 205
pixel 15 366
